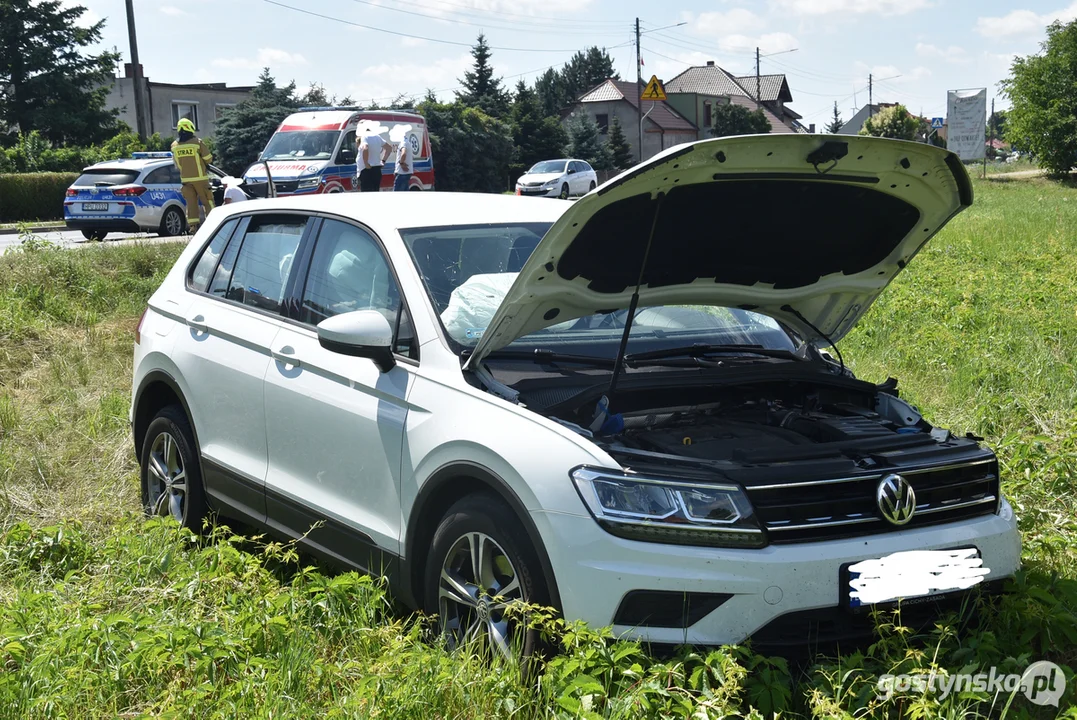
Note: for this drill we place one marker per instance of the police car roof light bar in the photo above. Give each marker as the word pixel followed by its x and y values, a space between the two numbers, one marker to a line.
pixel 325 109
pixel 151 155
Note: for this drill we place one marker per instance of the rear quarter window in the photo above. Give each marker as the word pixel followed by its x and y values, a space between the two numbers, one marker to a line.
pixel 90 178
pixel 200 274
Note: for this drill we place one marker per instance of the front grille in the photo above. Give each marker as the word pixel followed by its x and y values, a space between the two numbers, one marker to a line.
pixel 288 186
pixel 845 507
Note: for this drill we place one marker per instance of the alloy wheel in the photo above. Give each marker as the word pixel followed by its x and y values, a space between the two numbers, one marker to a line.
pixel 173 223
pixel 478 585
pixel 167 478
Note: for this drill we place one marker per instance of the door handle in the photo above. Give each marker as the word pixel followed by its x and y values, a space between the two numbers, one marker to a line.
pixel 286 355
pixel 198 322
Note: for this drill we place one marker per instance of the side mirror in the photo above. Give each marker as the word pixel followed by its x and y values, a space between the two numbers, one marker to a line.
pixel 346 157
pixel 571 171
pixel 362 333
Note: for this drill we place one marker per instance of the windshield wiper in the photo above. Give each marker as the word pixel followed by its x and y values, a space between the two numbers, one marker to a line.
pixel 701 349
pixel 541 355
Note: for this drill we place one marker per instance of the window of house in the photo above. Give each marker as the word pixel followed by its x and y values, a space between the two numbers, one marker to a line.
pixel 221 109
pixel 182 109
pixel 348 272
pixel 603 122
pixel 707 114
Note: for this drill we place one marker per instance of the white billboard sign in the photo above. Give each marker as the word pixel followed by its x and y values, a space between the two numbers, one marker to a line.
pixel 966 120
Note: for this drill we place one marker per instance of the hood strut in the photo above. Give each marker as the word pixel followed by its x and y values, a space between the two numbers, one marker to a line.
pixel 602 409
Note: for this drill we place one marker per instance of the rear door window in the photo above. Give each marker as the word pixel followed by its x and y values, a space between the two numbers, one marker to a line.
pixel 106 177
pixel 264 262
pixel 160 176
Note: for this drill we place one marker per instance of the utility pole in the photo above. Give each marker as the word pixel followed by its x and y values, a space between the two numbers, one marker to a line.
pixel 136 73
pixel 756 74
pixel 639 93
pixel 871 110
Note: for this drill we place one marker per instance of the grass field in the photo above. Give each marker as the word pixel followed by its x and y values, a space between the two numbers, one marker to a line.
pixel 105 615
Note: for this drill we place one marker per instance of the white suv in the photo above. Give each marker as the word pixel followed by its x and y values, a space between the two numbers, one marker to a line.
pixel 617 407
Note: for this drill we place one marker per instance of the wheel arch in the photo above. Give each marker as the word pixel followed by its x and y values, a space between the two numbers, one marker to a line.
pixel 157 390
pixel 444 487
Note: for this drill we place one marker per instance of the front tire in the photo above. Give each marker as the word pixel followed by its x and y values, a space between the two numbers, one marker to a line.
pixel 481 562
pixel 173 223
pixel 564 192
pixel 171 475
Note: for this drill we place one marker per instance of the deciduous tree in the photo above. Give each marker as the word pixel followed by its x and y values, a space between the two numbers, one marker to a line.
pixel 1043 100
pixel 892 122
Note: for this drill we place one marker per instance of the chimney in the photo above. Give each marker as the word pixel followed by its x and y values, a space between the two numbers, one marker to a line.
pixel 811 128
pixel 710 63
pixel 129 70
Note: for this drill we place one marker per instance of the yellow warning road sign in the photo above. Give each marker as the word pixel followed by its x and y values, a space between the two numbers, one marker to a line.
pixel 654 90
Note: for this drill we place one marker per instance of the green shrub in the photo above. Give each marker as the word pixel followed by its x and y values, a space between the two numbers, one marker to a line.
pixel 33 196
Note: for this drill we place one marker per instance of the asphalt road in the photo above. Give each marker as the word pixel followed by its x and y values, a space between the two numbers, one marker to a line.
pixel 74 239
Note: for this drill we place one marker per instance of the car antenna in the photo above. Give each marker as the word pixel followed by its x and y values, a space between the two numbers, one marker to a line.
pixel 823 335
pixel 602 410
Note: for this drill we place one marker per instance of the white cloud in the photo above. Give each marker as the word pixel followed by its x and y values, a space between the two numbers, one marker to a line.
pixel 732 22
pixel 171 10
pixel 953 53
pixel 266 57
pixel 385 81
pixel 1023 22
pixel 855 7
pixel 412 42
pixel 89 17
pixel 767 43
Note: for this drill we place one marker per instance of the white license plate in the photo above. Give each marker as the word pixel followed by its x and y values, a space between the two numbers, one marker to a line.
pixel 909 575
pixel 95 207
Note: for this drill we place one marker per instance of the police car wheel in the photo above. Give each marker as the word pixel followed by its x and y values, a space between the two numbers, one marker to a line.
pixel 94 235
pixel 172 223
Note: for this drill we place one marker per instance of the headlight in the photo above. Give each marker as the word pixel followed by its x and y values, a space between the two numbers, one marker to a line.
pixel 552 183
pixel 669 511
pixel 308 183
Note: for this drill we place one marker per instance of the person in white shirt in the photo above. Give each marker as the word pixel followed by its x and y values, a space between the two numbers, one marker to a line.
pixel 373 152
pixel 405 156
pixel 232 191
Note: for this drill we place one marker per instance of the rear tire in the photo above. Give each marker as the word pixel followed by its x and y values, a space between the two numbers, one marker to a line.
pixel 592 187
pixel 94 235
pixel 480 552
pixel 173 223
pixel 170 472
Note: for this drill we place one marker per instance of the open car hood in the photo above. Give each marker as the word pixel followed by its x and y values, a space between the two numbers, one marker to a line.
pixel 808 229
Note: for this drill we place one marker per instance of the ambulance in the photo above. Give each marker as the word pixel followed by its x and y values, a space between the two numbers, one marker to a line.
pixel 313 151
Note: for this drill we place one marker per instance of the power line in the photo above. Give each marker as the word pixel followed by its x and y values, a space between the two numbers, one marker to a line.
pixel 407 35
pixel 487 24
pixel 520 15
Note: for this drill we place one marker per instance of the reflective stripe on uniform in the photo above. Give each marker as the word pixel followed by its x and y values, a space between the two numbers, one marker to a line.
pixel 191 165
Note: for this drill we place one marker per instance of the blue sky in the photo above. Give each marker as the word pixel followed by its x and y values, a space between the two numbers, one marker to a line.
pixel 916 49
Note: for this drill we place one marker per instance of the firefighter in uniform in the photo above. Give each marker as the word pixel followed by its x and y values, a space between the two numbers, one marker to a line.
pixel 191 157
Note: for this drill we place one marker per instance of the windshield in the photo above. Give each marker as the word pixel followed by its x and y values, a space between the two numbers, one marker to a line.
pixel 547 166
pixel 468 270
pixel 106 176
pixel 305 144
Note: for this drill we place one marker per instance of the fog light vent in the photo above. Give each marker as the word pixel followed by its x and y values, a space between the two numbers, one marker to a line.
pixel 666 609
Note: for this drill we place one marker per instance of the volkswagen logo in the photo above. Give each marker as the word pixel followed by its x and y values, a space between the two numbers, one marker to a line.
pixel 896 499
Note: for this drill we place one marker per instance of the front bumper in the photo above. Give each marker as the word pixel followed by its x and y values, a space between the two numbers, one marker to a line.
pixel 595 570
pixel 538 191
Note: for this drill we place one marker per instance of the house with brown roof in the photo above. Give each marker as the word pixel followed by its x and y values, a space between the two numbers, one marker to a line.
pixel 663 127
pixel 696 91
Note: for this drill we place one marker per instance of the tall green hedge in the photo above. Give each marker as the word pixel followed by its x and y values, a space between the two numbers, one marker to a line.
pixel 33 196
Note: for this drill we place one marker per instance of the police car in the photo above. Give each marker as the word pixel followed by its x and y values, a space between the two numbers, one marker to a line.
pixel 137 194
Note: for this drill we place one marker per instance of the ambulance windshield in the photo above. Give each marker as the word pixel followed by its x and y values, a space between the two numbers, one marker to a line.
pixel 301 144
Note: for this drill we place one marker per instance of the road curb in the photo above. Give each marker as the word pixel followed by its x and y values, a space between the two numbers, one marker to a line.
pixel 40 229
